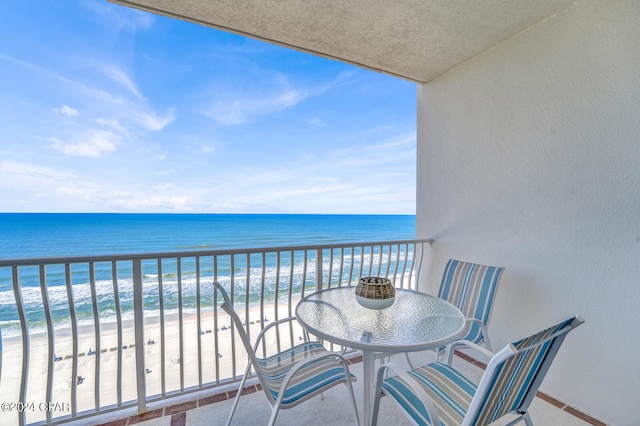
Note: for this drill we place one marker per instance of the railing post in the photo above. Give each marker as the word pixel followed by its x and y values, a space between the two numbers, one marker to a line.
pixel 318 269
pixel 138 320
pixel 26 346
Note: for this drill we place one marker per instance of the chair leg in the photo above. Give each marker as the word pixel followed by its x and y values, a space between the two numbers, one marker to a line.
pixel 239 393
pixel 377 393
pixel 441 355
pixel 353 399
pixel 485 336
pixel 409 360
pixel 527 419
pixel 274 414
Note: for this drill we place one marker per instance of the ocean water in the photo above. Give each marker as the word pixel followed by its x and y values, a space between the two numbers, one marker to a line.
pixel 35 235
pixel 29 235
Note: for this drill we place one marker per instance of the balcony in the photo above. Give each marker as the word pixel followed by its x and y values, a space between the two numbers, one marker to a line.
pixel 527 154
pixel 130 339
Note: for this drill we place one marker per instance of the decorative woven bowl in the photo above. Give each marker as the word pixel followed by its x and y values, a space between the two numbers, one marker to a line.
pixel 375 292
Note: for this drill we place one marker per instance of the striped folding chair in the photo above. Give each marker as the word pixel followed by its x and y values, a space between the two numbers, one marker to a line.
pixel 472 288
pixel 437 394
pixel 291 376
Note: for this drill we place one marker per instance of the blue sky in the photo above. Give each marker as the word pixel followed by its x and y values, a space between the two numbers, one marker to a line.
pixel 108 109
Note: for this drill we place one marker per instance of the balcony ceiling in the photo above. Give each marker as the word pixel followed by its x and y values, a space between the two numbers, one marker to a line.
pixel 413 39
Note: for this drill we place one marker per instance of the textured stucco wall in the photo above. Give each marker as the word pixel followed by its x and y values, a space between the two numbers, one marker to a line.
pixel 529 157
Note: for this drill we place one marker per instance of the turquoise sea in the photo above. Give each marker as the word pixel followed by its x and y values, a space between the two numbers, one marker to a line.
pixel 40 235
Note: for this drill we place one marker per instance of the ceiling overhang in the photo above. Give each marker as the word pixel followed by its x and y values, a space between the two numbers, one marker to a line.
pixel 415 40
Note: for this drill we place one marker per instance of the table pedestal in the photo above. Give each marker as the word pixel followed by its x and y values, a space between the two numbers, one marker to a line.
pixel 368 383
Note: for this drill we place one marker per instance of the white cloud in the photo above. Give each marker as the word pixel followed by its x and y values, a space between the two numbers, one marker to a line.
pixel 96 94
pixel 316 121
pixel 241 109
pixel 288 99
pixel 124 108
pixel 307 191
pixel 67 110
pixel 117 197
pixel 120 77
pixel 32 187
pixel 207 148
pixel 133 109
pixel 113 124
pixel 93 143
pixel 274 94
pixel 367 155
pixel 228 113
pixel 129 114
pixel 373 176
pixel 153 121
pixel 29 187
pixel 235 107
pixel 99 193
pixel 12 171
pixel 155 203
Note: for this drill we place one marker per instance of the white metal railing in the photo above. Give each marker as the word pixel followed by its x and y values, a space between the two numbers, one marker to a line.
pixel 91 335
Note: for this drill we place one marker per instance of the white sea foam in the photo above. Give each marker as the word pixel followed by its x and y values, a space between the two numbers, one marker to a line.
pixel 267 281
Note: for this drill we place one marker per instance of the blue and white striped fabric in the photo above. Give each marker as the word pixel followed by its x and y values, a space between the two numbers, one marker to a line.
pixel 512 383
pixel 472 289
pixel 312 378
pixel 512 380
pixel 450 391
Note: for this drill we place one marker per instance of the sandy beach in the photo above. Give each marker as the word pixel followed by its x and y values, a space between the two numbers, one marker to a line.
pixel 215 348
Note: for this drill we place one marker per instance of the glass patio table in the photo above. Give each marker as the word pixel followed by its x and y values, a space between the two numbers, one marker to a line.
pixel 415 322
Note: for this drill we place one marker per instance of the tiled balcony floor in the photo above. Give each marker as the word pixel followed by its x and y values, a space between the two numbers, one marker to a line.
pixel 335 409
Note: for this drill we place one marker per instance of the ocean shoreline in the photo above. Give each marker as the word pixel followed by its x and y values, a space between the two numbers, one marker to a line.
pixel 150 317
pixel 215 354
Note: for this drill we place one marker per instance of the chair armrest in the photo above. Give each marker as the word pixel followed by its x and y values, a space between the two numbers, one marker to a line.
pixel 483 330
pixel 268 327
pixel 451 348
pixel 415 386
